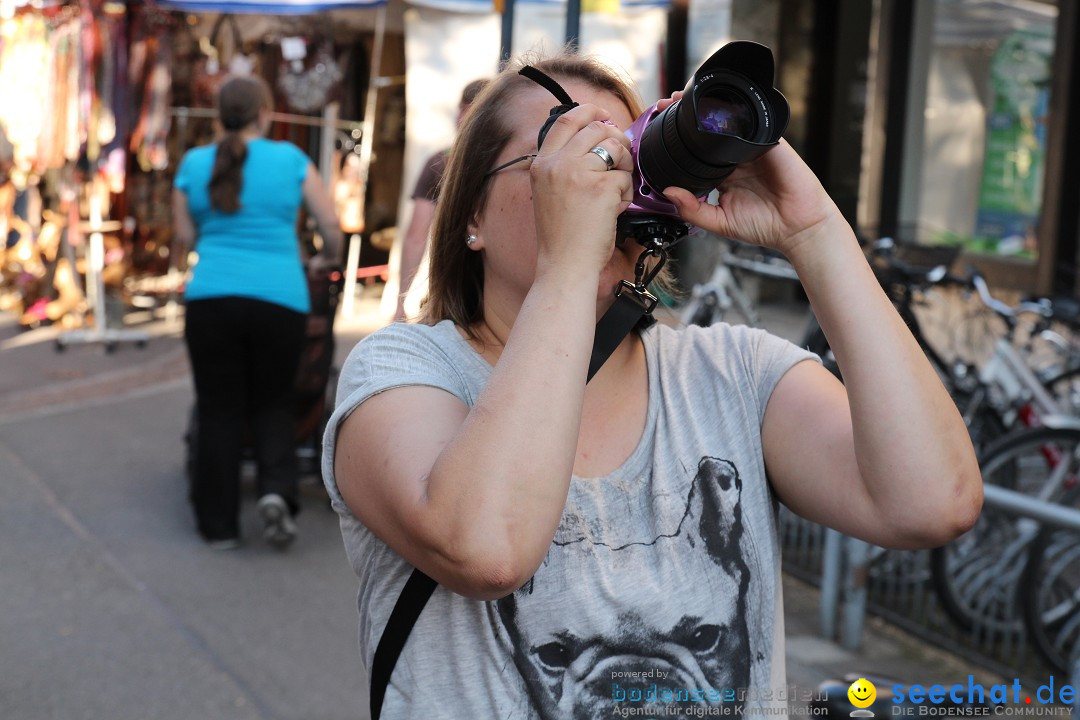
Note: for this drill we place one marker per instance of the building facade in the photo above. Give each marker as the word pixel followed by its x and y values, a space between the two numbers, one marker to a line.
pixel 945 122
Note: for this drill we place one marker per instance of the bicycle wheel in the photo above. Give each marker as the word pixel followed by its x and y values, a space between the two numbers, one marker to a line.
pixel 1051 594
pixel 1064 386
pixel 984 423
pixel 977 576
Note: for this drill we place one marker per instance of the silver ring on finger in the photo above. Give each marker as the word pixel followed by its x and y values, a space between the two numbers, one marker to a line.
pixel 604 155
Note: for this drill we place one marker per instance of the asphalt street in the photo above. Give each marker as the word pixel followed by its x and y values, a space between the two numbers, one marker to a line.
pixel 110 605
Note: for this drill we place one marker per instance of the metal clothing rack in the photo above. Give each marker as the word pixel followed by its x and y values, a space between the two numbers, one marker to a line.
pixel 287 118
pixel 99 332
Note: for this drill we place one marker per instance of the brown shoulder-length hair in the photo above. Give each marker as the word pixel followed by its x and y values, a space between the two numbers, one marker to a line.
pixel 239 101
pixel 456 274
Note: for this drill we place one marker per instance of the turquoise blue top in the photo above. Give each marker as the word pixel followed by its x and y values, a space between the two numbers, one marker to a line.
pixel 254 252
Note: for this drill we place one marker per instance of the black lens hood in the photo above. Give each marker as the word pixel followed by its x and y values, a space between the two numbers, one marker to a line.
pixel 754 62
pixel 751 59
pixel 745 68
pixel 676 150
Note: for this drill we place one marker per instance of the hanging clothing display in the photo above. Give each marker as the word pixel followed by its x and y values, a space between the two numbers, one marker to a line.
pixel 26 72
pixel 67 68
pixel 309 75
pixel 148 139
pixel 64 73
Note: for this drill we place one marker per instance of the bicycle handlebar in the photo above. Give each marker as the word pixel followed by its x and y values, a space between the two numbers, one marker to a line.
pixel 917 274
pixel 762 262
pixel 1040 308
pixel 940 276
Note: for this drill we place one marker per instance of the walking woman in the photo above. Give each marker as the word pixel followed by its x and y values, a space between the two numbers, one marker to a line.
pixel 237 203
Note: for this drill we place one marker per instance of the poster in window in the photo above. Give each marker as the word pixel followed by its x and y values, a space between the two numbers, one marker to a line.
pixel 1011 187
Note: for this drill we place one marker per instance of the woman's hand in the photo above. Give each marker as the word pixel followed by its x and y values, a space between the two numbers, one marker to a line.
pixel 775 201
pixel 664 103
pixel 576 199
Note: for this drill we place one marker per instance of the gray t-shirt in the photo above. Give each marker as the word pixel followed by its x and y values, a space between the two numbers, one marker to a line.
pixel 662 584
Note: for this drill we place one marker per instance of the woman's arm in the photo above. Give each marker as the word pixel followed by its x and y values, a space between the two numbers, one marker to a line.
pixel 890 460
pixel 319 203
pixel 473 497
pixel 183 226
pixel 412 248
pixel 886 456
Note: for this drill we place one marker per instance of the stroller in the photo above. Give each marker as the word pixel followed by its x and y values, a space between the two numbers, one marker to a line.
pixel 313 390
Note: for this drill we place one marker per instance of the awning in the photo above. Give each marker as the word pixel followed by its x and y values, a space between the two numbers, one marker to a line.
pixel 482 6
pixel 300 7
pixel 280 7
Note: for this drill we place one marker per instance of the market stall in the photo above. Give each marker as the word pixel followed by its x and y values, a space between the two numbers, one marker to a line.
pixel 111 94
pixel 76 80
pixel 102 99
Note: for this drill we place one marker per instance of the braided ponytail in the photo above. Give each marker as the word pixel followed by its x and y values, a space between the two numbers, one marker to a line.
pixel 239 101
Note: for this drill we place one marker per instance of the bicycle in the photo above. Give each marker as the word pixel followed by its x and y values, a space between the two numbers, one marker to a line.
pixel 1000 395
pixel 1050 589
pixel 1003 392
pixel 710 301
pixel 909 287
pixel 977 575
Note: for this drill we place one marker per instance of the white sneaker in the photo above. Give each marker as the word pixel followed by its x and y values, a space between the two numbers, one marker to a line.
pixel 278 527
pixel 223 544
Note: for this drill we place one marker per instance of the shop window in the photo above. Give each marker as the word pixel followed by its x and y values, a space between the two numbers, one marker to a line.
pixel 984 127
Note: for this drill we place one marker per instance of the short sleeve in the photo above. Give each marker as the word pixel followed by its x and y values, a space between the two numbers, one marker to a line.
pixel 427 185
pixel 770 357
pixel 182 181
pixel 740 361
pixel 300 160
pixel 399 355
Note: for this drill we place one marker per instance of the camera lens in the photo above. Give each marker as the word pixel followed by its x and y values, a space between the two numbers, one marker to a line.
pixel 723 111
pixel 730 114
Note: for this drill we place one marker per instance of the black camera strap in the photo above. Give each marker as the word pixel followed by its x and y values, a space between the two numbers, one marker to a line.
pixel 633 306
pixel 410 603
pixel 548 83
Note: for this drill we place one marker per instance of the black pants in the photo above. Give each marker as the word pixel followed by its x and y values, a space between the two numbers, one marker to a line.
pixel 244 356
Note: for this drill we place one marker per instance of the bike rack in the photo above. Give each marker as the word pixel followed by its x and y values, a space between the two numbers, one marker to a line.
pixel 846 559
pixel 1017 503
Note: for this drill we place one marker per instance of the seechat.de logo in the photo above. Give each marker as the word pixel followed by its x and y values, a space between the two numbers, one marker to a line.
pixel 1007 699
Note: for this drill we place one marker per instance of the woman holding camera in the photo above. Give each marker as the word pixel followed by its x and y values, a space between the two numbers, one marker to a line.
pixel 615 544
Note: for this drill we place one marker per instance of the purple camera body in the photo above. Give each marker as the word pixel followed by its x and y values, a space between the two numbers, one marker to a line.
pixel 647 199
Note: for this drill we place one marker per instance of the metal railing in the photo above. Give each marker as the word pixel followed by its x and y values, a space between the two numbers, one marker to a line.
pixel 856 578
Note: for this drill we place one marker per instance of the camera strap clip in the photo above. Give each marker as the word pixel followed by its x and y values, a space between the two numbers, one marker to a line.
pixel 633 307
pixel 643 274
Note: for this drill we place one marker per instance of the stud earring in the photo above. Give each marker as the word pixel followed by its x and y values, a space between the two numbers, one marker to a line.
pixel 471 240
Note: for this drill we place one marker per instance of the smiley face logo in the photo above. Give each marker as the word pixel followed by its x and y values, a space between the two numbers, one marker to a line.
pixel 862 693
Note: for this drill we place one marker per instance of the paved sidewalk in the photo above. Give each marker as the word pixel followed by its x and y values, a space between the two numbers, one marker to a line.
pixel 33 374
